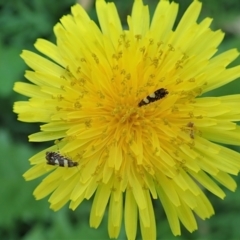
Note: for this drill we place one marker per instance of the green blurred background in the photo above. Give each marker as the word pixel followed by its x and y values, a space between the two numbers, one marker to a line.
pixel 21 217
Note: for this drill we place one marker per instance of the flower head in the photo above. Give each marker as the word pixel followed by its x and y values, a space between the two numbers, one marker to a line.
pixel 126 110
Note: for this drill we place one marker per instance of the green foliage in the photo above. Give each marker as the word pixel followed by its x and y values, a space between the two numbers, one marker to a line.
pixel 21 217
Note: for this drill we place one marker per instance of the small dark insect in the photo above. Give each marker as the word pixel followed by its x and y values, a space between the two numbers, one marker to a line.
pixel 56 159
pixel 158 94
pixel 191 126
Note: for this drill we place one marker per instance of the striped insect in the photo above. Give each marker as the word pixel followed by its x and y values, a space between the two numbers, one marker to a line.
pixel 56 159
pixel 157 95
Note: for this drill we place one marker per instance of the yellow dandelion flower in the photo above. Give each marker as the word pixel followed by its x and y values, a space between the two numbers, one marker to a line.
pixel 126 110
